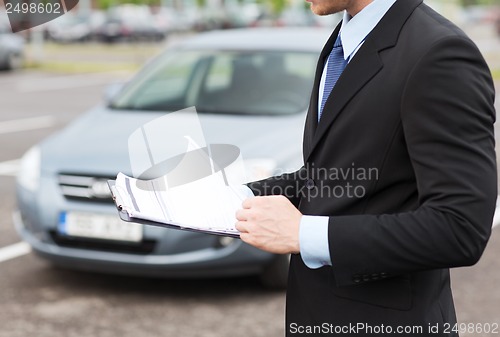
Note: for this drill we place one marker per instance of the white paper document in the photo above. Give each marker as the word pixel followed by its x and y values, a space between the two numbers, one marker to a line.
pixel 206 204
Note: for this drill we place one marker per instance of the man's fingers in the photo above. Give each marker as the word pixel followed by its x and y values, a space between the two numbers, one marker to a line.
pixel 248 238
pixel 247 203
pixel 263 201
pixel 243 214
pixel 241 226
pixel 244 237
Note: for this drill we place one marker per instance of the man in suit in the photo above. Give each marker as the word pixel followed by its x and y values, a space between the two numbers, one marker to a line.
pixel 399 177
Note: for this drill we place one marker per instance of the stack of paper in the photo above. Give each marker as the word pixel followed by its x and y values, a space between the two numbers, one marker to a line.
pixel 206 205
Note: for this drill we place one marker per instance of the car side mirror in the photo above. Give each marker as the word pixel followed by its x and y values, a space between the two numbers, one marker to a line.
pixel 112 90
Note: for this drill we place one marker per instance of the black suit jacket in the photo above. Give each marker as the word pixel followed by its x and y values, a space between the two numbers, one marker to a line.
pixel 408 130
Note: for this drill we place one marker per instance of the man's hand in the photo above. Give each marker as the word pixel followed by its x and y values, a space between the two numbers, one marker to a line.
pixel 270 223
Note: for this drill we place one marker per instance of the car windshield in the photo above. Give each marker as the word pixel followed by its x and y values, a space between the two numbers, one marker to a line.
pixel 224 82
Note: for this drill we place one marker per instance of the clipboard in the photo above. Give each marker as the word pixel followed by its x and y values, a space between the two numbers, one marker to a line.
pixel 125 216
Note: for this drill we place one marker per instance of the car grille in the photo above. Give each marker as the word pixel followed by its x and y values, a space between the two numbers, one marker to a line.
pixel 141 248
pixel 85 188
pixel 94 189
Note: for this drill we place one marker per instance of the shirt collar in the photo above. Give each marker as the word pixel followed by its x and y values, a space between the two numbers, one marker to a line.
pixel 355 29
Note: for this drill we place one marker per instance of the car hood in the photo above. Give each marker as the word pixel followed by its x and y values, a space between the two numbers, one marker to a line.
pixel 97 143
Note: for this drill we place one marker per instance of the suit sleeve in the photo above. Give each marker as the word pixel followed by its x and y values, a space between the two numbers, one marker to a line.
pixel 289 185
pixel 447 114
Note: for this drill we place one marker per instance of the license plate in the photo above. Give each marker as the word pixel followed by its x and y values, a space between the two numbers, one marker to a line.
pixel 99 226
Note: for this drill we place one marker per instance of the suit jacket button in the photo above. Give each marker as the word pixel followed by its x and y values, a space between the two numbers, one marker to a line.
pixel 383 275
pixel 356 279
pixel 310 184
pixel 375 277
pixel 366 278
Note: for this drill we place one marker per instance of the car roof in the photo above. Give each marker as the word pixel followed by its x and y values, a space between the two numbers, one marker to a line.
pixel 290 39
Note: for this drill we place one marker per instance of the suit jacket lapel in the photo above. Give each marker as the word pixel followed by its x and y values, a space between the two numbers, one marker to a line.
pixel 319 72
pixel 360 70
pixel 312 114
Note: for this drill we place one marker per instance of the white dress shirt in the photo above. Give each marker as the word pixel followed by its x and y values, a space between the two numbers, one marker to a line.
pixel 313 233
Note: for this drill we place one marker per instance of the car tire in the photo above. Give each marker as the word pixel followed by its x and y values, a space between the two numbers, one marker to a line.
pixel 275 274
pixel 14 61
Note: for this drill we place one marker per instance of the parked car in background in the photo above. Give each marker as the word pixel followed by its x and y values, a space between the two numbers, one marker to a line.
pixel 169 20
pixel 74 27
pixel 130 23
pixel 251 88
pixel 296 17
pixel 11 46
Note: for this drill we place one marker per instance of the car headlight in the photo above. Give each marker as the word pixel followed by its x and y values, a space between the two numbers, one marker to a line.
pixel 260 168
pixel 29 174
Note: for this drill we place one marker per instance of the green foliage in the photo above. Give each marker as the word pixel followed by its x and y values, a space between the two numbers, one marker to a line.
pixel 479 2
pixel 276 6
pixel 105 4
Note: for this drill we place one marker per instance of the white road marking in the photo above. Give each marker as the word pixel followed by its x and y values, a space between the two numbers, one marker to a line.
pixel 496 218
pixel 69 82
pixel 26 124
pixel 10 168
pixel 13 251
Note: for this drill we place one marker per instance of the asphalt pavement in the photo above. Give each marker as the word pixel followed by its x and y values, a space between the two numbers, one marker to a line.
pixel 37 299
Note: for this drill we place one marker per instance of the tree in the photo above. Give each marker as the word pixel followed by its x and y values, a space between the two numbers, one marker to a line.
pixel 276 6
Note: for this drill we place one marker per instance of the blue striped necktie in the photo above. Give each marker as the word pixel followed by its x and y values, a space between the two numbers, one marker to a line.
pixel 336 65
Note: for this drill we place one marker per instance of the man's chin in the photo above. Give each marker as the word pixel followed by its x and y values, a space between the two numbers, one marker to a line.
pixel 322 11
pixel 325 13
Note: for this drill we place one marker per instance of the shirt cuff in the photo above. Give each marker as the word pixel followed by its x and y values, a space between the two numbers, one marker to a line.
pixel 313 240
pixel 242 191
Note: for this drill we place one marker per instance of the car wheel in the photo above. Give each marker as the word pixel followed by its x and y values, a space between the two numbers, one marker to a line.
pixel 14 61
pixel 275 275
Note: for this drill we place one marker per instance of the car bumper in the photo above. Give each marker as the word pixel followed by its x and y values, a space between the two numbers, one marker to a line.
pixel 233 260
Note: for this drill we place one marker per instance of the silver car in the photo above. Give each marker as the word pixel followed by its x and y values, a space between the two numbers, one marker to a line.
pixel 11 46
pixel 251 89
